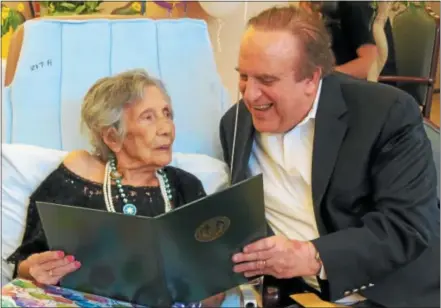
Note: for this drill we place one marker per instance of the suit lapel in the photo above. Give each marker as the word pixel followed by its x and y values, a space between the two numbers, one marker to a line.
pixel 244 143
pixel 330 129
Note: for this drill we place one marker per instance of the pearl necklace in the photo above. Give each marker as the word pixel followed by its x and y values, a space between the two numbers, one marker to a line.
pixel 129 208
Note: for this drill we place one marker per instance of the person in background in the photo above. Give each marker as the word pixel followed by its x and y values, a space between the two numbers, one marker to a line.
pixel 349 177
pixel 349 24
pixel 390 67
pixel 129 119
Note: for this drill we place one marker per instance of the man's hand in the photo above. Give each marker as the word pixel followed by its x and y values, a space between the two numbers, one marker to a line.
pixel 279 257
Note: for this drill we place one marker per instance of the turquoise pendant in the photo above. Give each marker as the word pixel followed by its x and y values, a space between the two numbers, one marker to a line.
pixel 129 209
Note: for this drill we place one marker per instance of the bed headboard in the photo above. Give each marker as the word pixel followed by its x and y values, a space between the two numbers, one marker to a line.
pixel 52 62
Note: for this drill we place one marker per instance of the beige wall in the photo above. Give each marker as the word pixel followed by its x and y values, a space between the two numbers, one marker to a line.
pixel 227 34
pixel 229 38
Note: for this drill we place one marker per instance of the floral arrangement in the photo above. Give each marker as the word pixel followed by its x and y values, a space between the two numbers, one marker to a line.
pixel 397 4
pixel 56 8
pixel 130 8
pixel 12 18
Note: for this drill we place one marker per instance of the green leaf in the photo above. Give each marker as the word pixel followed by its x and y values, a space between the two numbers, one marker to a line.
pixel 5 26
pixel 124 11
pixel 91 4
pixel 61 13
pixel 45 3
pixel 67 5
pixel 14 20
pixel 72 7
pixel 20 17
pixel 80 9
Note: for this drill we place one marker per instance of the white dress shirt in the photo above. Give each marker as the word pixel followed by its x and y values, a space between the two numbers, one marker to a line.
pixel 285 160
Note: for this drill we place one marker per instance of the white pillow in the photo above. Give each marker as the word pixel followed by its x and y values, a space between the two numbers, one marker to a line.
pixel 24 167
pixel 212 172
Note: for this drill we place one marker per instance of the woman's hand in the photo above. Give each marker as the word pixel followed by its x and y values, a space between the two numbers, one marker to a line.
pixel 48 267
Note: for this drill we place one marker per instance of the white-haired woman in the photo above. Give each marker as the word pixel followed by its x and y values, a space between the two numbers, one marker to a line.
pixel 129 120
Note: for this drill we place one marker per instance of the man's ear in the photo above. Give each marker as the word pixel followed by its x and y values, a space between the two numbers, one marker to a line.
pixel 313 81
pixel 111 139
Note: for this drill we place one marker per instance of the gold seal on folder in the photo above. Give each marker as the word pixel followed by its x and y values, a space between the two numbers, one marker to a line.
pixel 212 229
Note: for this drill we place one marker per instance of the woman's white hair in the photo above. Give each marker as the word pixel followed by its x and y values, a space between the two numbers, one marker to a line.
pixel 104 102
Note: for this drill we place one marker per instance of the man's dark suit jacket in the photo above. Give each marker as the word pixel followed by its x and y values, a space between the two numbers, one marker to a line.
pixel 373 188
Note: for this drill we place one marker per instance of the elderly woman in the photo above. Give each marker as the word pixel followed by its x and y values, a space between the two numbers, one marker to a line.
pixel 129 120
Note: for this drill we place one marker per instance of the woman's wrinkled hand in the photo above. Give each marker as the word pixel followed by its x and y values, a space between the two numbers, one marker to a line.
pixel 48 267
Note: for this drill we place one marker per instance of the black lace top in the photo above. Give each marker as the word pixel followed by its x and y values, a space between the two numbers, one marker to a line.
pixel 63 186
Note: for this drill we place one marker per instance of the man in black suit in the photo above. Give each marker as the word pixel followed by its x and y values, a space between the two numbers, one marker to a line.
pixel 349 178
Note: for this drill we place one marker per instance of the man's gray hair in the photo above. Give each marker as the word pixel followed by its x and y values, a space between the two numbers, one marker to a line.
pixel 104 102
pixel 308 28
